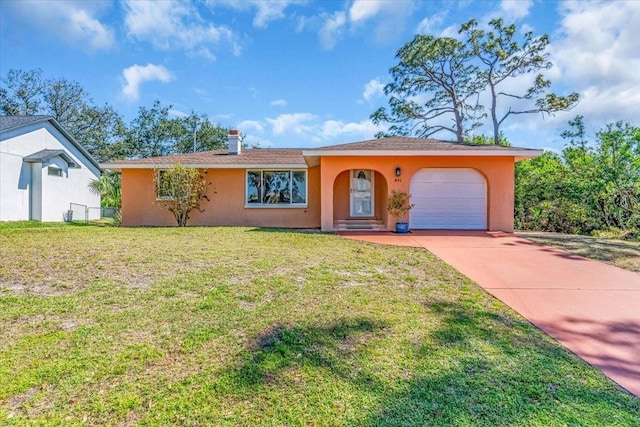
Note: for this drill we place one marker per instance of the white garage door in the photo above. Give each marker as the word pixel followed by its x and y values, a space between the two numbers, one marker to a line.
pixel 448 199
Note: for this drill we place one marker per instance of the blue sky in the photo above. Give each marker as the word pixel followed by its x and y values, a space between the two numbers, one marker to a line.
pixel 294 73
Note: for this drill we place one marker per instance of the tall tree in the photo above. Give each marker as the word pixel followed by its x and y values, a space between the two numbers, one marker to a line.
pixel 200 134
pixel 504 57
pixel 99 129
pixel 153 133
pixel 22 92
pixel 434 89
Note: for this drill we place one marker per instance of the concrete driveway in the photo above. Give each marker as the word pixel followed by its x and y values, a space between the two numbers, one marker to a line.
pixel 592 308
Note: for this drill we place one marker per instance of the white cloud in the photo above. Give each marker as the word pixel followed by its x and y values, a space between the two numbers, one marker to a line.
pixel 362 10
pixel 373 89
pixel 309 128
pixel 266 10
pixel 269 11
pixel 389 17
pixel 296 123
pixel 597 56
pixel 330 31
pixel 431 24
pixel 384 20
pixel 177 113
pixel 279 103
pixel 75 22
pixel 175 24
pixel 509 11
pixel 138 74
pixel 513 10
pixel 364 129
pixel 248 125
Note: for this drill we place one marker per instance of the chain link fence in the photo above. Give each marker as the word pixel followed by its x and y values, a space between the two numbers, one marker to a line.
pixel 79 212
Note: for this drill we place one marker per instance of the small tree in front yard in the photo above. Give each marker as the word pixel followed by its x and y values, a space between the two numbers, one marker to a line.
pixel 180 190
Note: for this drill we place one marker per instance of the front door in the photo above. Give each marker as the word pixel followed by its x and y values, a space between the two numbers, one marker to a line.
pixel 362 192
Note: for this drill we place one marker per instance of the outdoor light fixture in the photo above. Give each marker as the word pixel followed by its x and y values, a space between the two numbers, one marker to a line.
pixel 398 171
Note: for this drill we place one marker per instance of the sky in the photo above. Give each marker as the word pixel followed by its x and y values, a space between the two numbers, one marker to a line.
pixel 296 73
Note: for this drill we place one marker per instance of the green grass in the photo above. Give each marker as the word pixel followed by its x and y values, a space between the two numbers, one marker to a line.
pixel 621 253
pixel 244 326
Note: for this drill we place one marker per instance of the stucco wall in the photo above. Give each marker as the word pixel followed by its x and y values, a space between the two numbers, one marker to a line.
pixel 498 171
pixel 50 197
pixel 225 207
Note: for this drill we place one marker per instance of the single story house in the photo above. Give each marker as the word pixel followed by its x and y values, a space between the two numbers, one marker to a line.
pixel 44 171
pixel 346 186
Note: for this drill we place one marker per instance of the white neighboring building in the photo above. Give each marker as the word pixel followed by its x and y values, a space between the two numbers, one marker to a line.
pixel 43 170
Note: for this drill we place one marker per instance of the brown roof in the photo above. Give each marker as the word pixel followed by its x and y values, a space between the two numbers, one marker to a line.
pixel 403 143
pixel 296 157
pixel 250 156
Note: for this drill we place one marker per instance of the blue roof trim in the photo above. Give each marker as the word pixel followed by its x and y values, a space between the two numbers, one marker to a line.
pixel 44 155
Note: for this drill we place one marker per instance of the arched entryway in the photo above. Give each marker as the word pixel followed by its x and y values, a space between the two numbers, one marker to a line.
pixel 448 198
pixel 360 195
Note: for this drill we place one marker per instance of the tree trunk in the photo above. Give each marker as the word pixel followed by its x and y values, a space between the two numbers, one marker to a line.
pixel 459 126
pixel 494 118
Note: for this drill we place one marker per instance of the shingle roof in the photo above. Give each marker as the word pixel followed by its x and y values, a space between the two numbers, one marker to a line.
pixel 222 158
pixel 294 157
pixel 13 122
pixel 403 143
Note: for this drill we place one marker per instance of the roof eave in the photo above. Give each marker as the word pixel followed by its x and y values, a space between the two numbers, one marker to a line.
pixel 518 154
pixel 120 166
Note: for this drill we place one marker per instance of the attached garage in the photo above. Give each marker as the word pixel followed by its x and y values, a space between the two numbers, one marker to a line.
pixel 448 198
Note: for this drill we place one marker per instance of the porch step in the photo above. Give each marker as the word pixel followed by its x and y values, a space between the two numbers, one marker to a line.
pixel 359 224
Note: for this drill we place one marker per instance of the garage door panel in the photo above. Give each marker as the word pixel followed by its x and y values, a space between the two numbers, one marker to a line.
pixel 452 206
pixel 449 190
pixel 448 199
pixel 445 221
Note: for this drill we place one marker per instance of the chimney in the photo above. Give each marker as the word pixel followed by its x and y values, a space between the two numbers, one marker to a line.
pixel 234 141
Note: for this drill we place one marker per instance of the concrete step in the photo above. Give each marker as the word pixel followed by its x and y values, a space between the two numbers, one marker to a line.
pixel 359 224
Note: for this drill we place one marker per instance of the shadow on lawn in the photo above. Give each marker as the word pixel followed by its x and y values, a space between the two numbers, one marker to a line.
pixel 476 368
pixel 590 247
pixel 282 348
pixel 483 368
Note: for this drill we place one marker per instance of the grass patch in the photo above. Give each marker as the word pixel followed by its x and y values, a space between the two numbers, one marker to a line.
pixel 621 253
pixel 245 326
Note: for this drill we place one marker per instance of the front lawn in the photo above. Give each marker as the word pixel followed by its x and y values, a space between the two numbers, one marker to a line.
pixel 245 326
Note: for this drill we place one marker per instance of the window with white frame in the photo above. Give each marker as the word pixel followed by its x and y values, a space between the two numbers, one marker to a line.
pixel 280 188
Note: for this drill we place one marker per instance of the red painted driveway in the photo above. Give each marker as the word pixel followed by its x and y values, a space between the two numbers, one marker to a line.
pixel 591 307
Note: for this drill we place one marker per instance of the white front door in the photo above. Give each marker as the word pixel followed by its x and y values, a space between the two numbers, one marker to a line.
pixel 362 192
